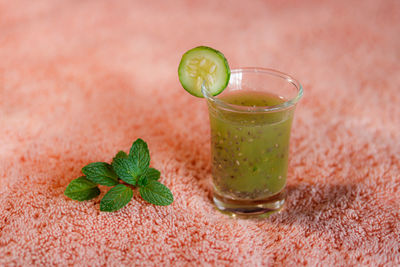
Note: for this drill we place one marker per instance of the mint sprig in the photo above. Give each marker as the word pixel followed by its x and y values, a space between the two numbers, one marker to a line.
pixel 125 171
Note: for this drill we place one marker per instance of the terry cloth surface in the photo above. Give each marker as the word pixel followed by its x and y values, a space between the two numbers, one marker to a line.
pixel 80 80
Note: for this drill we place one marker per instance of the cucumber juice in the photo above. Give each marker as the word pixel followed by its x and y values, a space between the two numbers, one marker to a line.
pixel 249 149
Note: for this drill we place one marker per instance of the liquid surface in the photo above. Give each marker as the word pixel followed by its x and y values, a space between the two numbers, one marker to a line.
pixel 249 150
pixel 252 98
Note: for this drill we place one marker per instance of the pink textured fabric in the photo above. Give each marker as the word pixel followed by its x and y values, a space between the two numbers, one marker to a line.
pixel 80 80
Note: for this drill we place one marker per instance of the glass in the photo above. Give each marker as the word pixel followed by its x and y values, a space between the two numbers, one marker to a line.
pixel 250 125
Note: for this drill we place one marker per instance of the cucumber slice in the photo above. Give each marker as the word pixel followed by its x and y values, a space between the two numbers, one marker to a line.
pixel 204 64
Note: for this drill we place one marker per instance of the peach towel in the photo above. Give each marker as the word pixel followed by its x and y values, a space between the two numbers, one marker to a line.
pixel 80 80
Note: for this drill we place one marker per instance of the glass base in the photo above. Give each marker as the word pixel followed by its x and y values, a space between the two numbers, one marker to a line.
pixel 260 208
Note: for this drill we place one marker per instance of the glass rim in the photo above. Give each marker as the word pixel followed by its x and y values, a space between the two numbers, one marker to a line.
pixel 267 71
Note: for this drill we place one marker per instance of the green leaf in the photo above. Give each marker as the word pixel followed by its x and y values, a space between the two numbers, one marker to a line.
pixel 153 174
pixel 81 189
pixel 116 198
pixel 100 173
pixel 140 155
pixel 120 155
pixel 126 170
pixel 156 193
pixel 143 180
pixel 150 175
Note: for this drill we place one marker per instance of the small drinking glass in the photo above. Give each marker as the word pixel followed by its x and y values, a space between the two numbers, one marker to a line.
pixel 250 125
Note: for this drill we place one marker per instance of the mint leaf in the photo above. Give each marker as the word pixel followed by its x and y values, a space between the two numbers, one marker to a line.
pixel 116 198
pixel 143 180
pixel 140 156
pixel 150 175
pixel 100 173
pixel 120 155
pixel 156 193
pixel 153 174
pixel 81 189
pixel 126 170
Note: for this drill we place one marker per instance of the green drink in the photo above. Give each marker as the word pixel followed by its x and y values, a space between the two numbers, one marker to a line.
pixel 258 143
pixel 250 125
pixel 251 112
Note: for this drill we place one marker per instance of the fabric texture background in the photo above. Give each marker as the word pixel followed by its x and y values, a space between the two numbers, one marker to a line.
pixel 80 80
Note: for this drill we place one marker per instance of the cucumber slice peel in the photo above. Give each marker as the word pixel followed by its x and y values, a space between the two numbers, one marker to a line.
pixel 206 65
